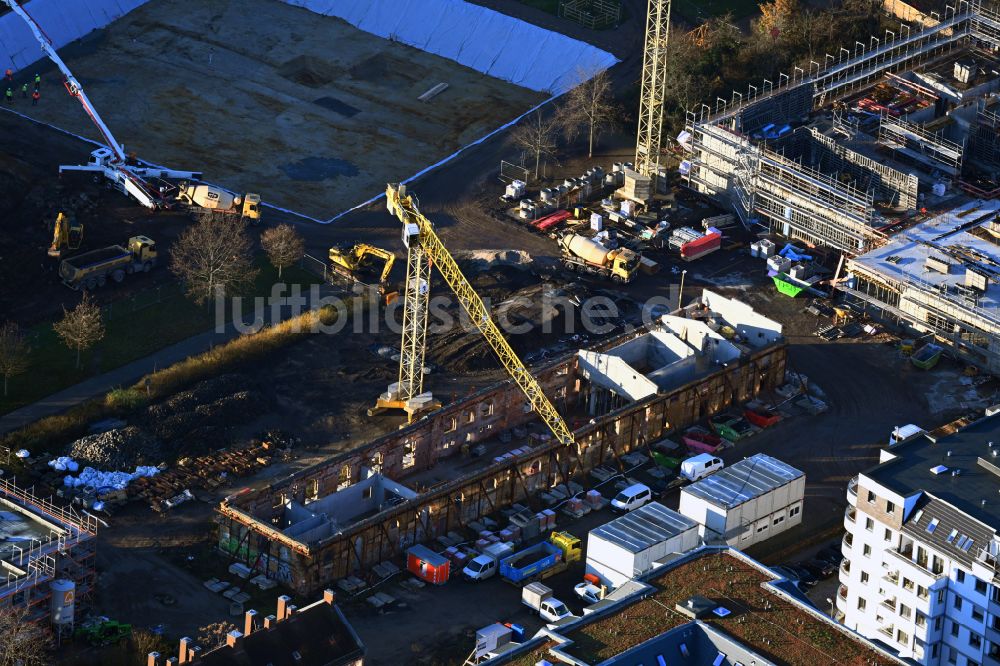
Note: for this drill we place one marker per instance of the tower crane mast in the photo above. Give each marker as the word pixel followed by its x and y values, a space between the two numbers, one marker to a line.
pixel 424 250
pixel 111 159
pixel 654 83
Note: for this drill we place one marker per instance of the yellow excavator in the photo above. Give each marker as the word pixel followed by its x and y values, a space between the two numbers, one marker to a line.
pixel 67 235
pixel 351 262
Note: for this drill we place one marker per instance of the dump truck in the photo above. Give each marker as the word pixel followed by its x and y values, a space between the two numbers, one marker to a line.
pixel 538 561
pixel 586 255
pixel 217 201
pixel 93 269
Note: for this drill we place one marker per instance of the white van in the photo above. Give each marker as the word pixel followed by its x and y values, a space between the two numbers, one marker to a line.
pixel 700 466
pixel 631 498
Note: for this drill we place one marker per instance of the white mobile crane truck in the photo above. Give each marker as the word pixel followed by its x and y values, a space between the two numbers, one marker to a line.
pixel 110 159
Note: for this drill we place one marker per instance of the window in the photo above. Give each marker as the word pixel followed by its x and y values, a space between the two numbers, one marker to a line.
pixel 794 511
pixel 452 425
pixel 871 497
pixel 975 640
pixel 931 526
pixel 952 655
pixel 890 508
pixel 867 550
pixel 864 576
pixel 938 623
pixel 905 611
pixel 957 603
pixel 977 614
pixel 922 592
pixel 907 584
pixel 959 576
pixel 470 417
pixel 861 604
pixel 980 586
pixel 888 535
pixel 902 637
pixel 951 536
pixel 940 596
pixel 954 629
pixel 921 620
pixel 779 520
pixel 869 524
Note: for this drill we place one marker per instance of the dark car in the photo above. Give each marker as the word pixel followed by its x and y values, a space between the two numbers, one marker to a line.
pixel 803 575
pixel 818 567
pixel 831 554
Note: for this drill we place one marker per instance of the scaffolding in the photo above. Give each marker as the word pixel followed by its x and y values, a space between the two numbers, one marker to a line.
pixel 66 551
pixel 916 143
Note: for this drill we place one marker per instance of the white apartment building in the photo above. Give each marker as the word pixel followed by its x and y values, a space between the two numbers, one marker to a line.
pixel 921 572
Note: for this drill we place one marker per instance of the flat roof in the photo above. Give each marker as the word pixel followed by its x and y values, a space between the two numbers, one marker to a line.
pixel 743 481
pixel 957 469
pixel 644 527
pixel 961 237
pixel 783 630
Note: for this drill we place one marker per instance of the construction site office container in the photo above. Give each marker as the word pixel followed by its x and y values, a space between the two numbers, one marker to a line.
pixel 427 565
pixel 747 502
pixel 630 546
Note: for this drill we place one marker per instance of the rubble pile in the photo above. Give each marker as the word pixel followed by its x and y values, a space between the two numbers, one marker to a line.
pixel 120 448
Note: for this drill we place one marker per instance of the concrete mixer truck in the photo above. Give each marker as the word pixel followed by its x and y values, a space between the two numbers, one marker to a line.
pixel 585 255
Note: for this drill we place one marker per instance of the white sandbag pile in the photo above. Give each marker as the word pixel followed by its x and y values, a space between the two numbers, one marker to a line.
pixel 97 479
pixel 64 464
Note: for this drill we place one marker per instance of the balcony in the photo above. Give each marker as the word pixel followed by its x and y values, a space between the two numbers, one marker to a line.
pixel 888 631
pixel 842 591
pixel 852 492
pixel 847 543
pixel 850 516
pixel 889 604
pixel 891 577
pixel 845 566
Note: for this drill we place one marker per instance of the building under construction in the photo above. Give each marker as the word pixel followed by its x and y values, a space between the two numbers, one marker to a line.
pixel 905 117
pixel 486 452
pixel 47 553
pixel 939 277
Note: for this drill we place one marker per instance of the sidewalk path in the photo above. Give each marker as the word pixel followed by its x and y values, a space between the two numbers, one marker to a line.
pixel 125 375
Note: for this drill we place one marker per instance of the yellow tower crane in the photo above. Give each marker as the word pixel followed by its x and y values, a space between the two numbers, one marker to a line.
pixel 654 85
pixel 424 250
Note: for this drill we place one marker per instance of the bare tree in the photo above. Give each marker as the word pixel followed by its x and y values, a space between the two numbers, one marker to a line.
pixel 590 106
pixel 214 255
pixel 144 641
pixel 14 352
pixel 284 246
pixel 537 136
pixel 22 642
pixel 82 327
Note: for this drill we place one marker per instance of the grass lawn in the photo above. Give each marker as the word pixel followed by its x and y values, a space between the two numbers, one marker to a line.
pixel 134 328
pixel 696 11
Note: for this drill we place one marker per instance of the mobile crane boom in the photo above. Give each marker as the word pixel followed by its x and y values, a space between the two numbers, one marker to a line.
pixel 112 159
pixel 420 238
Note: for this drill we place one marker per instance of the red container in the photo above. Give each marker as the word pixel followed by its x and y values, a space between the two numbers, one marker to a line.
pixel 427 565
pixel 549 221
pixel 761 420
pixel 708 243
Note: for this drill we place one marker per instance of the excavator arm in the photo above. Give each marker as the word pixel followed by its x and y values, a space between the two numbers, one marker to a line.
pixel 418 229
pixel 363 251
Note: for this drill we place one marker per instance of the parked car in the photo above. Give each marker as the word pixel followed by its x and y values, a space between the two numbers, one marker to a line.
pixel 818 567
pixel 804 575
pixel 831 554
pixel 631 498
pixel 588 592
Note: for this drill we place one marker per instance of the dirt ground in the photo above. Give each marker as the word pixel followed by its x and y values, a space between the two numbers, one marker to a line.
pixel 308 111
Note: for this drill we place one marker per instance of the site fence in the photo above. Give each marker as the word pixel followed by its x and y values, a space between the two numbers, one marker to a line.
pixel 593 14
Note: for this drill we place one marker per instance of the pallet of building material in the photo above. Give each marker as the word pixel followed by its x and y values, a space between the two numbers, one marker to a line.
pixel 603 472
pixel 812 405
